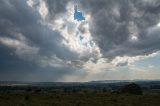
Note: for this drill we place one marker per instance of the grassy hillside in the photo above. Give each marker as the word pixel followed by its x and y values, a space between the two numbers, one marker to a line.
pixel 78 99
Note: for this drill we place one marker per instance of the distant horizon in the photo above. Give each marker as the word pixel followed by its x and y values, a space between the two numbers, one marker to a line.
pixel 80 82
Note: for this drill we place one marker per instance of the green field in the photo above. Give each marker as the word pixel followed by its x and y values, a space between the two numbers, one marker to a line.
pixel 78 99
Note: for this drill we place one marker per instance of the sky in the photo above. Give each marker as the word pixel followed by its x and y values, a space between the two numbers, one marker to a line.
pixel 117 40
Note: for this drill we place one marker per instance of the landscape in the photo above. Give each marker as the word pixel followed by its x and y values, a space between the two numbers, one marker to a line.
pixel 95 93
pixel 79 52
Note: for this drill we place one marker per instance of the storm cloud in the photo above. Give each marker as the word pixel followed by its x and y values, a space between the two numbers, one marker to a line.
pixel 39 39
pixel 125 27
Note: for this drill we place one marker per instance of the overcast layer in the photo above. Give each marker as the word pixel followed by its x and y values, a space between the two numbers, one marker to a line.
pixel 41 41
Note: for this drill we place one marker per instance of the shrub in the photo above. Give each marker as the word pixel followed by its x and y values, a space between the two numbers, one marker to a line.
pixel 28 90
pixel 37 90
pixel 27 97
pixel 132 89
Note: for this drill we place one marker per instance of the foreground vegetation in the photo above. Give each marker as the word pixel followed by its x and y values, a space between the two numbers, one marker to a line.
pixel 88 98
pixel 127 95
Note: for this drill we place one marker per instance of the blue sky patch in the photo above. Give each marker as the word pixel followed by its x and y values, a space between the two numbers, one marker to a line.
pixel 78 15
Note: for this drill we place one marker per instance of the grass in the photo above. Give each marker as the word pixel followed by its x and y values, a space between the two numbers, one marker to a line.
pixel 78 99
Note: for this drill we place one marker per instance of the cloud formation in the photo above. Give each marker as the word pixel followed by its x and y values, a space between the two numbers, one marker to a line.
pixel 125 27
pixel 41 37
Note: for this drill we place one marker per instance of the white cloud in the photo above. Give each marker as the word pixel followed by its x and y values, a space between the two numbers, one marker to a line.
pixel 133 31
pixel 30 3
pixel 52 61
pixel 70 29
pixel 126 60
pixel 40 6
pixel 43 10
pixel 21 46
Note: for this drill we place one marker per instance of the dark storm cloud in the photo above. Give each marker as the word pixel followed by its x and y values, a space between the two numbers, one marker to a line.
pixel 17 15
pixel 22 18
pixel 30 49
pixel 112 20
pixel 21 34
